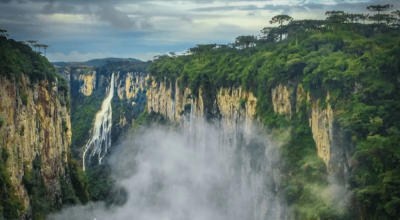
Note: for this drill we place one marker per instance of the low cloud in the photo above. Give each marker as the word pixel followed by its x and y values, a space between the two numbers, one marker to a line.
pixel 200 175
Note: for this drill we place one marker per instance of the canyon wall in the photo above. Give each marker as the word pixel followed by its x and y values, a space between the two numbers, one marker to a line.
pixel 329 138
pixel 36 124
pixel 234 106
pixel 230 107
pixel 232 111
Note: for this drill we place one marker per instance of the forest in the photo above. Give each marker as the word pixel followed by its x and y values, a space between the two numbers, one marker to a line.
pixel 353 58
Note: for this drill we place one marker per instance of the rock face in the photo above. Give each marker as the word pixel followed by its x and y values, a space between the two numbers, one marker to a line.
pixel 321 121
pixel 173 103
pixel 130 84
pixel 281 100
pixel 327 134
pixel 230 107
pixel 36 123
pixel 226 106
pixel 89 83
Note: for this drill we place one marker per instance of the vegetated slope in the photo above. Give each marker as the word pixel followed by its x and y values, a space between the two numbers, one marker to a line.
pixel 37 173
pixel 352 68
pixel 17 58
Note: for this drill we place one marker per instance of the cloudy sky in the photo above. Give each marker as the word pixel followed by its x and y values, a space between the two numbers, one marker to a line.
pixel 79 30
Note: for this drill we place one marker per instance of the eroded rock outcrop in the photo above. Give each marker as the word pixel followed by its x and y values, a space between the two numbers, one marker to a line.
pixel 130 84
pixel 172 102
pixel 89 82
pixel 327 134
pixel 281 96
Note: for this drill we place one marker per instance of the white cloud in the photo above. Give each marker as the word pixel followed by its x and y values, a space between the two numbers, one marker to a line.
pixel 149 25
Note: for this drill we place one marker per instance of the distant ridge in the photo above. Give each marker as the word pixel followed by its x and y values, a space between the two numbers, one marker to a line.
pixel 96 62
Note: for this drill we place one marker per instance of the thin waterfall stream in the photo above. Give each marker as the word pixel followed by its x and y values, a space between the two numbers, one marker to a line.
pixel 101 134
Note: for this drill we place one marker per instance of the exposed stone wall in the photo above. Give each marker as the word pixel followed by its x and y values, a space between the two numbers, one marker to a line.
pixel 129 84
pixel 327 134
pixel 34 128
pixel 89 82
pixel 171 102
pixel 321 121
pixel 281 100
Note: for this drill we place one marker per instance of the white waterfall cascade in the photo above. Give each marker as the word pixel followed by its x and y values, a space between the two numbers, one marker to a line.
pixel 101 135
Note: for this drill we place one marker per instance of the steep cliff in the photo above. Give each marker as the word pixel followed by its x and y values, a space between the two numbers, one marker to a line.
pixel 35 134
pixel 36 124
pixel 231 105
pixel 234 106
pixel 328 135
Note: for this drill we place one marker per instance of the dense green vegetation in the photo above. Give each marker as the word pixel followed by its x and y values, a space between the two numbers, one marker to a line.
pixel 103 186
pixel 40 202
pixel 1 122
pixel 78 179
pixel 10 205
pixel 74 188
pixel 82 116
pixel 357 64
pixel 17 58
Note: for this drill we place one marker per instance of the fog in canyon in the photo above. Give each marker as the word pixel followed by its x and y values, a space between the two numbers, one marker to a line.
pixel 200 173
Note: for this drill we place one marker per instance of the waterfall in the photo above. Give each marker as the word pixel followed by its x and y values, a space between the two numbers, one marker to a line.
pixel 191 117
pixel 173 110
pixel 101 135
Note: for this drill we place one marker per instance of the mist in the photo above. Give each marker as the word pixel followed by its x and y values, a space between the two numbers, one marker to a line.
pixel 170 174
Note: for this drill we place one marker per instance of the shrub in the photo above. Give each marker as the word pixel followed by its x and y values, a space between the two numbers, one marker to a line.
pixel 242 102
pixel 10 205
pixel 1 122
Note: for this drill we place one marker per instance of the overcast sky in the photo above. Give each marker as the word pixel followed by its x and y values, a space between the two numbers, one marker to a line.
pixel 79 30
